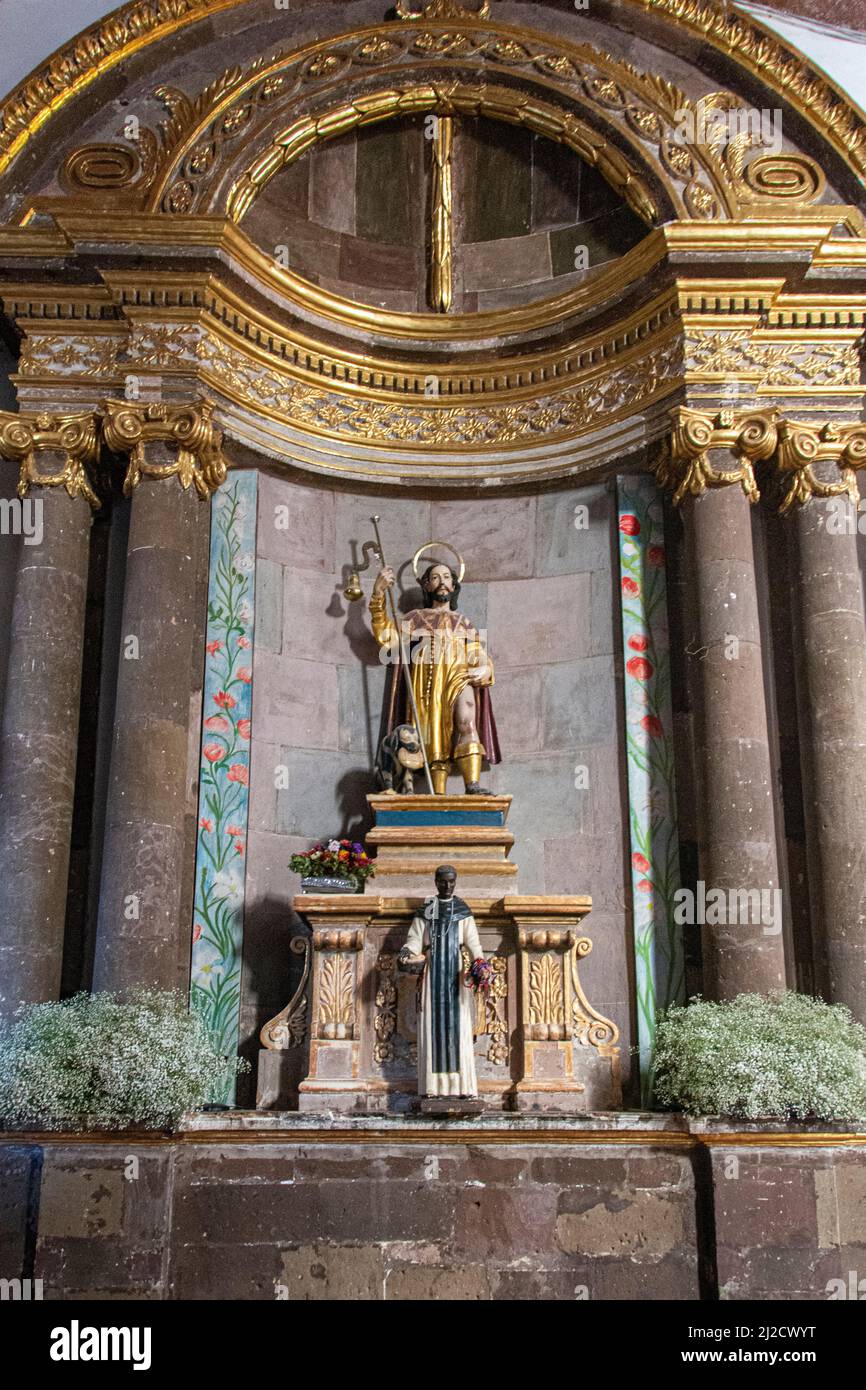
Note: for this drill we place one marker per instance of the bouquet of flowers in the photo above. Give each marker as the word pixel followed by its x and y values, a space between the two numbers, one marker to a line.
pixel 479 975
pixel 334 859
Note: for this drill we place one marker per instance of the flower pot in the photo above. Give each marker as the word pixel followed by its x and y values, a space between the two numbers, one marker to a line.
pixel 328 885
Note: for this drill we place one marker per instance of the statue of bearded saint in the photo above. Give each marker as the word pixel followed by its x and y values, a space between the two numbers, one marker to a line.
pixel 451 675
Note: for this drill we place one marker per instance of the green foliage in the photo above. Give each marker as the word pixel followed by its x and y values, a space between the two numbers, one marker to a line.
pixel 96 1062
pixel 782 1055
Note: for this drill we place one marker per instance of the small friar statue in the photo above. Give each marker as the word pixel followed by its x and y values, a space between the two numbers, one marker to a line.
pixel 443 947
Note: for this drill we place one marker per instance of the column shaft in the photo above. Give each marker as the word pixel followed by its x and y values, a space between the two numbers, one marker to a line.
pixel 38 747
pixel 139 929
pixel 735 794
pixel 831 681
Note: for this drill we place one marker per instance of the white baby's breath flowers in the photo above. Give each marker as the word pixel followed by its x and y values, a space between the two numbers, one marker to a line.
pixel 782 1056
pixel 96 1062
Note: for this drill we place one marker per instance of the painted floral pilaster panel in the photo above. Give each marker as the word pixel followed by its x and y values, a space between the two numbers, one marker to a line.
pixel 224 772
pixel 655 869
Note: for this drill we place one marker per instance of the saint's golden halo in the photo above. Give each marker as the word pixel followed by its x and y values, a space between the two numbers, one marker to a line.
pixel 429 546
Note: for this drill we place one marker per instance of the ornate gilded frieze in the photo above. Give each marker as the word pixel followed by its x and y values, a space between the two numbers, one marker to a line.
pixel 134 26
pixel 736 355
pixel 802 447
pixel 84 354
pixel 606 396
pixel 187 429
pixel 24 437
pixel 184 166
pixel 686 467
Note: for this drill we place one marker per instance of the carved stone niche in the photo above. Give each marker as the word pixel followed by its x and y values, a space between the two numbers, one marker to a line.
pixel 539 1043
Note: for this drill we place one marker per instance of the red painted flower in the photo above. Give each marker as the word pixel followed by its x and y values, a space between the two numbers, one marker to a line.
pixel 645 886
pixel 239 772
pixel 245 727
pixel 629 525
pixel 213 752
pixel 224 701
pixel 196 931
pixel 244 674
pixel 629 587
pixel 639 667
pixel 656 557
pixel 213 647
pixel 652 725
pixel 638 643
pixel 244 642
pixel 641 863
pixel 239 846
pixel 217 724
pixel 206 823
pixel 235 830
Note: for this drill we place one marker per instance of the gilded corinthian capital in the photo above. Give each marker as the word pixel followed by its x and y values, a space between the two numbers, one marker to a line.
pixel 686 466
pixel 23 438
pixel 803 446
pixel 187 430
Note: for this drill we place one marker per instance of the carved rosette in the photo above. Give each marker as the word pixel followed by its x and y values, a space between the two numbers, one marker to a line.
pixel 187 429
pixel 24 437
pixel 289 1027
pixel 803 447
pixel 686 466
pixel 336 968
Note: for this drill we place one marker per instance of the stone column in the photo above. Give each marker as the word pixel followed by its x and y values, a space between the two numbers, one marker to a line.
pixel 39 732
pixel 830 651
pixel 174 465
pixel 709 463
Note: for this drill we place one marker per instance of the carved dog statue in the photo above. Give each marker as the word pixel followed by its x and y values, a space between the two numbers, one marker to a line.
pixel 399 758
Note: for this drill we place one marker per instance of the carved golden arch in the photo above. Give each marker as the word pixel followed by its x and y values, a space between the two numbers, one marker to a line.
pixel 752 48
pixel 497 103
pixel 625 122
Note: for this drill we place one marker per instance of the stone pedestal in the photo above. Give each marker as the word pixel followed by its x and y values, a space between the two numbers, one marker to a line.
pixel 539 1043
pixel 412 835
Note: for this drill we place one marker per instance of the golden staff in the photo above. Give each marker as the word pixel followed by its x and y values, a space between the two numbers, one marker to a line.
pixel 354 591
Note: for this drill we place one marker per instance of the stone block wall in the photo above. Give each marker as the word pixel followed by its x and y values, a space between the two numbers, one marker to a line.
pixel 545 593
pixel 307 1216
pixel 790 1224
pixel 353 216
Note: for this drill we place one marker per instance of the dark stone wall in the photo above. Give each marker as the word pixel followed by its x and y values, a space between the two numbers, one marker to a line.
pixel 403 1220
pixel 353 216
